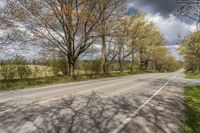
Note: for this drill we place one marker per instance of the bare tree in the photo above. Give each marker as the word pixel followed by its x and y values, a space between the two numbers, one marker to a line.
pixel 10 32
pixel 65 26
pixel 5 35
pixel 190 9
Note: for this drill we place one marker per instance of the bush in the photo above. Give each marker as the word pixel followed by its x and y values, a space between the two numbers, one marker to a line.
pixel 64 66
pixel 8 72
pixel 35 71
pixel 96 67
pixel 55 66
pixel 59 66
pixel 86 67
pixel 23 70
pixel 113 67
pixel 91 67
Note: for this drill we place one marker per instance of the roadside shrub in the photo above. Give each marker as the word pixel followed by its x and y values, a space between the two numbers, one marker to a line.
pixel 96 67
pixel 59 66
pixel 55 66
pixel 113 67
pixel 8 72
pixel 35 72
pixel 23 70
pixel 91 67
pixel 86 66
pixel 64 66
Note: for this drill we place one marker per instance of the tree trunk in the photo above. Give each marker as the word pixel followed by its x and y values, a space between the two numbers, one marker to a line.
pixel 197 64
pixel 132 61
pixel 72 67
pixel 141 60
pixel 104 55
pixel 146 64
pixel 121 69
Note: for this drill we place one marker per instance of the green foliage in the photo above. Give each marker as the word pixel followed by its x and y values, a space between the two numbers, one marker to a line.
pixel 55 66
pixel 64 66
pixel 172 64
pixel 192 111
pixel 195 74
pixel 85 66
pixel 59 66
pixel 114 67
pixel 8 72
pixel 96 67
pixel 190 49
pixel 20 84
pixel 6 85
pixel 36 71
pixel 22 69
pixel 91 67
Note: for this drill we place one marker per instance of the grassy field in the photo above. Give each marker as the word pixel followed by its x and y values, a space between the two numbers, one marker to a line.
pixel 42 81
pixel 192 110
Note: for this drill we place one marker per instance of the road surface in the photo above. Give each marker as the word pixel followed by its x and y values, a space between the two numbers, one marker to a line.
pixel 97 106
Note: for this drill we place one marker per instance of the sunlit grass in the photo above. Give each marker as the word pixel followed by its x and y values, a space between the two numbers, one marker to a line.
pixel 193 74
pixel 192 110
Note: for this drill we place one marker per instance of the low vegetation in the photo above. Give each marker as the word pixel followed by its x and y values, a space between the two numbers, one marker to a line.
pixel 192 110
pixel 18 73
pixel 193 74
pixel 13 84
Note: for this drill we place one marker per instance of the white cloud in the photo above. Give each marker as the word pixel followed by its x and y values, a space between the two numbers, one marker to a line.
pixel 172 28
pixel 2 2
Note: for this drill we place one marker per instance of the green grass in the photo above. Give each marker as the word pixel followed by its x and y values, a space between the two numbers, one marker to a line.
pixel 20 84
pixel 192 110
pixel 37 82
pixel 192 75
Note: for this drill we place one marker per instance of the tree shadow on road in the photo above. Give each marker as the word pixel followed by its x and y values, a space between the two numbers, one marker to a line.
pixel 164 114
pixel 95 113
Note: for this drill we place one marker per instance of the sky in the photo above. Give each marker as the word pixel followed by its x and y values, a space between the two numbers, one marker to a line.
pixel 2 2
pixel 161 13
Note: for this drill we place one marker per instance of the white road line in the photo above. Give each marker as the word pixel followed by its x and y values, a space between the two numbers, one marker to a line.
pixel 126 121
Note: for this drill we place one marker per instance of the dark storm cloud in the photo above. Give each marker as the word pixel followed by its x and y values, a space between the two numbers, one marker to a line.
pixel 164 7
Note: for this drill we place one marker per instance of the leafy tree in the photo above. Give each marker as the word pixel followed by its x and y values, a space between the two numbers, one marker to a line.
pixel 190 49
pixel 172 64
pixel 159 57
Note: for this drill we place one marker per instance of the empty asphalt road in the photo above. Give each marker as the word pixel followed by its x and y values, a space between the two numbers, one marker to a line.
pixel 96 106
